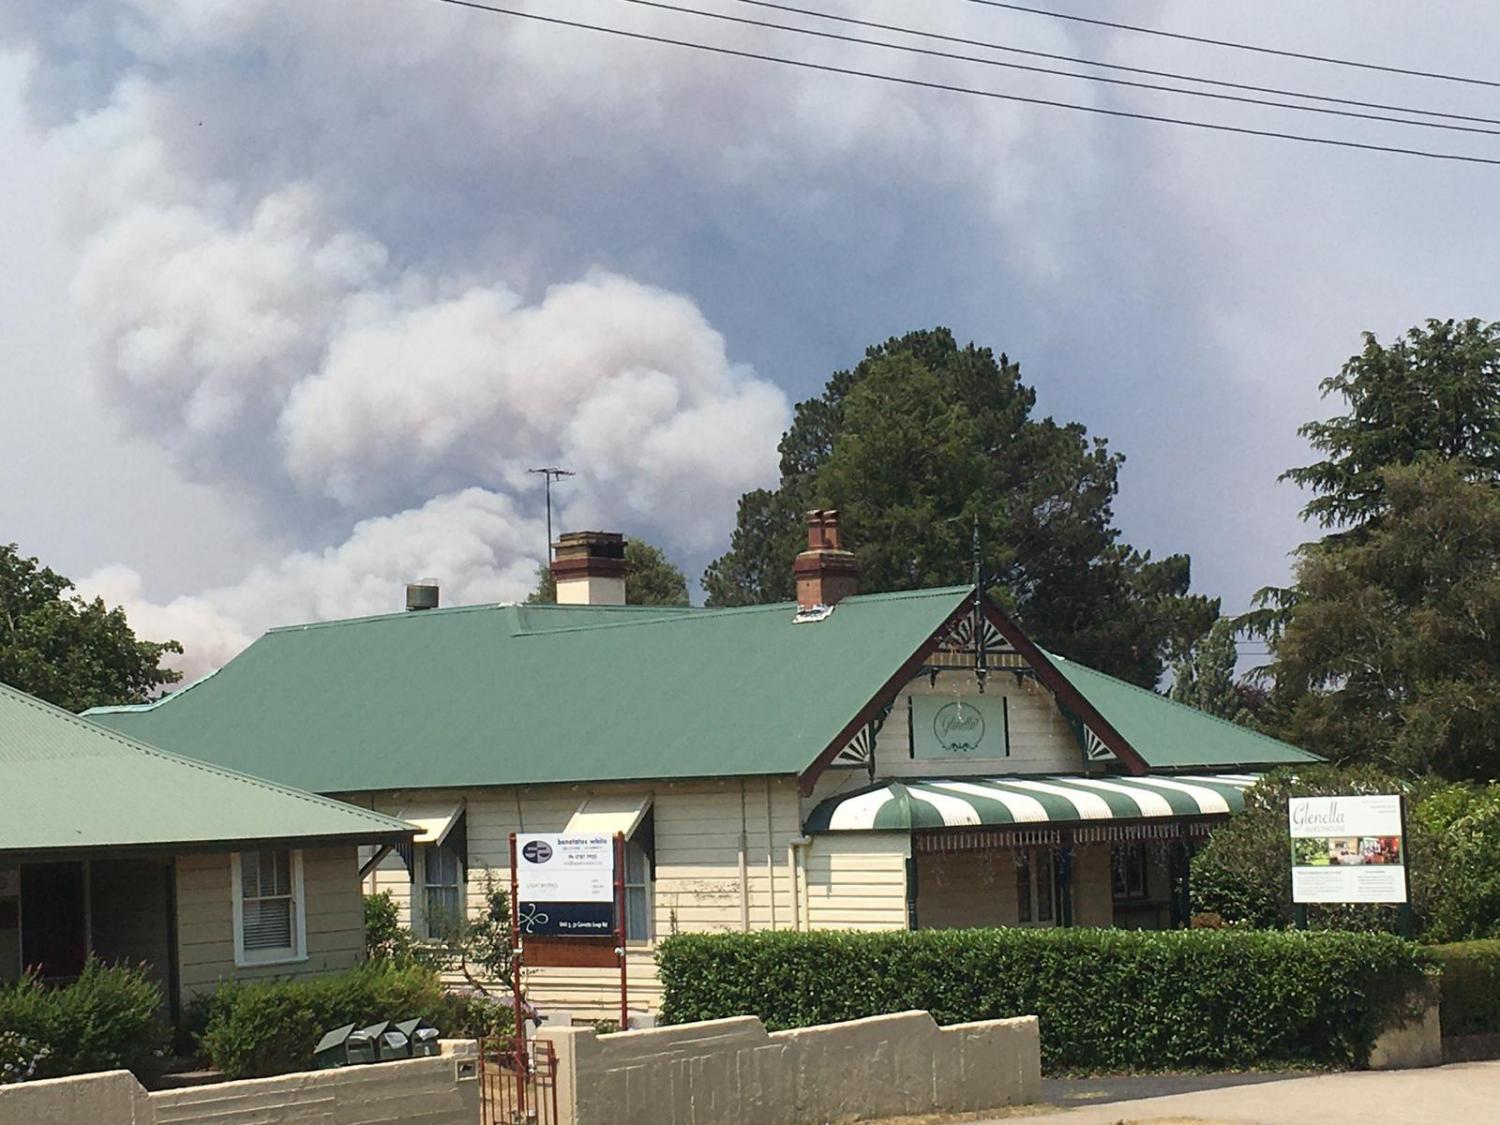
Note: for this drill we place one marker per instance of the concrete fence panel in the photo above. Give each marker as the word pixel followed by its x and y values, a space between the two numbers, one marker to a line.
pixel 436 1091
pixel 732 1072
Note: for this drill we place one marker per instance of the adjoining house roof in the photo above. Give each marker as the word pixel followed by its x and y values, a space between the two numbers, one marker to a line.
pixel 67 784
pixel 1172 736
pixel 503 695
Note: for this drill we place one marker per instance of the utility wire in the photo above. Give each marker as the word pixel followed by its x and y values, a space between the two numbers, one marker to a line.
pixel 1232 44
pixel 1148 71
pixel 1027 67
pixel 995 95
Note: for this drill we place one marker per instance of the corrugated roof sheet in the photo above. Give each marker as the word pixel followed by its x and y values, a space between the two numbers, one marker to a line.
pixel 66 782
pixel 498 695
pixel 1170 735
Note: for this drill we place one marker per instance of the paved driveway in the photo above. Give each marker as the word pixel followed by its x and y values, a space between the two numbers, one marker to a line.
pixel 1444 1095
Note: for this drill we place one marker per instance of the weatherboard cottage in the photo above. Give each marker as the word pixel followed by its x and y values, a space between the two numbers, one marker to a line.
pixel 881 761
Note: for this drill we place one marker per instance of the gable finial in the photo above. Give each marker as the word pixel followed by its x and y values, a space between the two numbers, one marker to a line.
pixel 981 666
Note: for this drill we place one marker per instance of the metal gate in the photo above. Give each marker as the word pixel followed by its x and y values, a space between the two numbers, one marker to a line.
pixel 517 1082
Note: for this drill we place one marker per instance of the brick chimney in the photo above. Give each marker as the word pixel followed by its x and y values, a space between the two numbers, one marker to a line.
pixel 826 573
pixel 589 568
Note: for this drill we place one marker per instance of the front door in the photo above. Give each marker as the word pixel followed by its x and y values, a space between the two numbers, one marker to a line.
pixel 54 941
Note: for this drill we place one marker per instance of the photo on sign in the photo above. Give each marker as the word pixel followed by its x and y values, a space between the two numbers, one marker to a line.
pixel 1346 851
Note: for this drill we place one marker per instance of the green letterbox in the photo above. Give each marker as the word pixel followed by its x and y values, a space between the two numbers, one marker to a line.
pixel 333 1049
pixel 422 1037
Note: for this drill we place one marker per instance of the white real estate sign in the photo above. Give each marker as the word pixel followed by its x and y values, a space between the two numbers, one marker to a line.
pixel 565 884
pixel 1347 849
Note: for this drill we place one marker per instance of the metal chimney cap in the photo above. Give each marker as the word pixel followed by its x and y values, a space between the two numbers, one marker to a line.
pixel 422 594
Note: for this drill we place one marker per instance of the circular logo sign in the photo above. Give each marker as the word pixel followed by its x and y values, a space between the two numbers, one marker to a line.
pixel 537 851
pixel 959 728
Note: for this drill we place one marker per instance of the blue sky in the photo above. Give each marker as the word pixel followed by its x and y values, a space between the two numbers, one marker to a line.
pixel 298 292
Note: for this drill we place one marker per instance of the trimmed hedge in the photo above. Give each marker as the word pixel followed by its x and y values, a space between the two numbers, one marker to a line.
pixel 112 1017
pixel 1471 987
pixel 1109 1000
pixel 263 1028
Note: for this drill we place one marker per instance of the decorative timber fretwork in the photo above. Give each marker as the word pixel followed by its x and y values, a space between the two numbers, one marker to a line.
pixel 1094 748
pixel 961 636
pixel 860 750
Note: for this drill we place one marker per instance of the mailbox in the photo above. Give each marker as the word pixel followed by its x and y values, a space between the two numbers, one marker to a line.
pixel 333 1049
pixel 423 1038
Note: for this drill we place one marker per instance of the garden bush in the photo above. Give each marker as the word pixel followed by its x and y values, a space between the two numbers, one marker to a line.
pixel 261 1028
pixel 1471 987
pixel 111 1017
pixel 1453 852
pixel 1108 1000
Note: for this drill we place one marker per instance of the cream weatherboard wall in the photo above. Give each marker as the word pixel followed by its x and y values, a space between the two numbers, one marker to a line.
pixel 205 919
pixel 725 862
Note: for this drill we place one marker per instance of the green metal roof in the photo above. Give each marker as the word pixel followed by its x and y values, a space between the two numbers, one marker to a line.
pixel 1172 736
pixel 69 784
pixel 499 695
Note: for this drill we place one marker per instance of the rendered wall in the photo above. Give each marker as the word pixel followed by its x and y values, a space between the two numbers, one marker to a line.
pixel 439 1091
pixel 733 1072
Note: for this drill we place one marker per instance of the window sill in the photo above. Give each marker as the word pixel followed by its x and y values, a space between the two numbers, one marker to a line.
pixel 242 963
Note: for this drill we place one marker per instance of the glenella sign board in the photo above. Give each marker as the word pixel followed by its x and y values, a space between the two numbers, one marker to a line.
pixel 565 885
pixel 1347 849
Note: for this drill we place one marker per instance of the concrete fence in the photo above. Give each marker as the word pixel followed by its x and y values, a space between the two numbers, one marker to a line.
pixel 732 1072
pixel 436 1091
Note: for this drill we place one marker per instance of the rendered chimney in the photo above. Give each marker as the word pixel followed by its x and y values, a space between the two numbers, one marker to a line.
pixel 589 568
pixel 422 594
pixel 825 572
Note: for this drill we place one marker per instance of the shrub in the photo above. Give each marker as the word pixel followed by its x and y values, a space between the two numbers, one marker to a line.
pixel 111 1017
pixel 472 1014
pixel 260 1028
pixel 1471 987
pixel 1453 846
pixel 1108 1000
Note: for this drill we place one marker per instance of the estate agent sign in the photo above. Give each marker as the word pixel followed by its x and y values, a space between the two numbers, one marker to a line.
pixel 1347 849
pixel 565 885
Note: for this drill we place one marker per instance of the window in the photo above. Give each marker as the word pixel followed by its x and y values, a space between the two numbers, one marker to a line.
pixel 268 913
pixel 1036 886
pixel 1128 867
pixel 640 857
pixel 442 891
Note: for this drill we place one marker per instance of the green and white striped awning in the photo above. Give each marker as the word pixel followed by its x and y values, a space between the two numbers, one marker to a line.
pixel 988 801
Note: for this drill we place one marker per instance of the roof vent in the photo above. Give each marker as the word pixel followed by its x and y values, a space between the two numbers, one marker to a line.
pixel 422 594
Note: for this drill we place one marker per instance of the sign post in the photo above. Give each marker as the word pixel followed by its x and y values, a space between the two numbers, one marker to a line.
pixel 568 903
pixel 1347 850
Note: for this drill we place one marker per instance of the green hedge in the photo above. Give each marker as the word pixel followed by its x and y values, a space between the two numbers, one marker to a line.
pixel 1471 987
pixel 253 1030
pixel 111 1017
pixel 1109 1000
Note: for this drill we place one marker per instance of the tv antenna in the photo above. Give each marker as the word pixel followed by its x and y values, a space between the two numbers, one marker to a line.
pixel 550 474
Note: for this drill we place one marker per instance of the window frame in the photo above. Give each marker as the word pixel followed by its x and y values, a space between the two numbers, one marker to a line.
pixel 1031 879
pixel 643 842
pixel 1126 858
pixel 288 955
pixel 461 887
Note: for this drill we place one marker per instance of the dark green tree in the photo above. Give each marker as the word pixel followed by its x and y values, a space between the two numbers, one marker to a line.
pixel 1391 652
pixel 1204 676
pixel 924 438
pixel 1383 647
pixel 1434 392
pixel 71 652
pixel 650 578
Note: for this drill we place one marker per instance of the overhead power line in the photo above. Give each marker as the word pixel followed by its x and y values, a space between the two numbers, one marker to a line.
pixel 1237 46
pixel 1177 76
pixel 930 52
pixel 995 95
